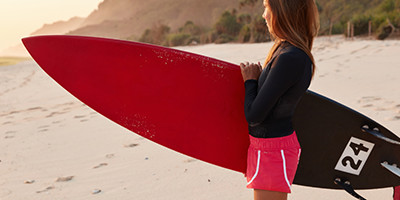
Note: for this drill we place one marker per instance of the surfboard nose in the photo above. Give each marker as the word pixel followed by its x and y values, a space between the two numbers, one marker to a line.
pixel 27 42
pixel 31 42
pixel 37 46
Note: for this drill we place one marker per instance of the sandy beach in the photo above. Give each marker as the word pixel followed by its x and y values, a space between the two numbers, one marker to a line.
pixel 55 147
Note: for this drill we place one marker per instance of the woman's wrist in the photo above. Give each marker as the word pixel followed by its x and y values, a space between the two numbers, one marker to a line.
pixel 250 78
pixel 250 82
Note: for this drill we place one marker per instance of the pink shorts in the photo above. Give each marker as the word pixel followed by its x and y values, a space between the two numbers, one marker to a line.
pixel 272 163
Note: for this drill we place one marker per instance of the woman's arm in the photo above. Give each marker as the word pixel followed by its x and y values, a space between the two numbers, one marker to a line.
pixel 284 73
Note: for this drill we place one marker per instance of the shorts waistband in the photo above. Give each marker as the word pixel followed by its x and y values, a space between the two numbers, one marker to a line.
pixel 289 141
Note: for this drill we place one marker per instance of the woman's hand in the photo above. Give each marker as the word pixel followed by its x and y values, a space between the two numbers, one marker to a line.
pixel 250 71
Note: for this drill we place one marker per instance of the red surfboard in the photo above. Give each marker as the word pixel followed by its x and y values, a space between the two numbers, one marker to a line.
pixel 194 105
pixel 174 98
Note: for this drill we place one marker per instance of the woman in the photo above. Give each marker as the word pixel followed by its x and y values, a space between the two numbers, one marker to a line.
pixel 272 93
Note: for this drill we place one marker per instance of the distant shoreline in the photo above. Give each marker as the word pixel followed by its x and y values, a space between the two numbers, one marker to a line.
pixel 12 60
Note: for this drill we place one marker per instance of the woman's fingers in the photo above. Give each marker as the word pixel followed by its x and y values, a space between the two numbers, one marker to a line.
pixel 250 71
pixel 252 66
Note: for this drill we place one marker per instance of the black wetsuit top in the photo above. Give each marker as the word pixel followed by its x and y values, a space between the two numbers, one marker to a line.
pixel 270 102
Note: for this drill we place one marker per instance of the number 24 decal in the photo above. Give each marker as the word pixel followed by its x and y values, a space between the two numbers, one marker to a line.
pixel 356 148
pixel 354 156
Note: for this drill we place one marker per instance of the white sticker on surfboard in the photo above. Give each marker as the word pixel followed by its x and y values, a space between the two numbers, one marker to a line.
pixel 354 156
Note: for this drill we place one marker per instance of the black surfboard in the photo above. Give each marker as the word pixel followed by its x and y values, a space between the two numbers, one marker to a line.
pixel 347 148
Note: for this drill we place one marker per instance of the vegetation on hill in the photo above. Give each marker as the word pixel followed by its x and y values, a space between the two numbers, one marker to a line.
pixel 185 22
pixel 248 26
pixel 231 26
pixel 335 15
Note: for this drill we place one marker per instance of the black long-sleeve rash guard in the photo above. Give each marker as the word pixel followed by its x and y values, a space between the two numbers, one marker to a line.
pixel 270 102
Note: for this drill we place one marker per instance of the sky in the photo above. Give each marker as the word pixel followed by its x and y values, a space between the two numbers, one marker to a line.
pixel 19 18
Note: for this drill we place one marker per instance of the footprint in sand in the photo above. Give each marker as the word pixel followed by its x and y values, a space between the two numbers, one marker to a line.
pixel 79 116
pixel 381 108
pixel 368 101
pixel 34 108
pixel 370 98
pixel 396 117
pixel 131 145
pixel 384 105
pixel 190 160
pixel 9 137
pixel 110 155
pixel 54 114
pixel 68 104
pixel 93 114
pixel 64 179
pixel 353 52
pixel 367 105
pixel 96 191
pixel 323 75
pixel 9 114
pixel 10 132
pixel 45 190
pixel 29 181
pixel 44 126
pixel 357 50
pixel 100 165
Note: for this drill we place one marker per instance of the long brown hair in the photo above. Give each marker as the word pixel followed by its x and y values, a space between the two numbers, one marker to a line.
pixel 296 21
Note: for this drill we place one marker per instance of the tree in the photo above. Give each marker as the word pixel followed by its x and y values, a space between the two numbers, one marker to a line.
pixel 156 35
pixel 227 24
